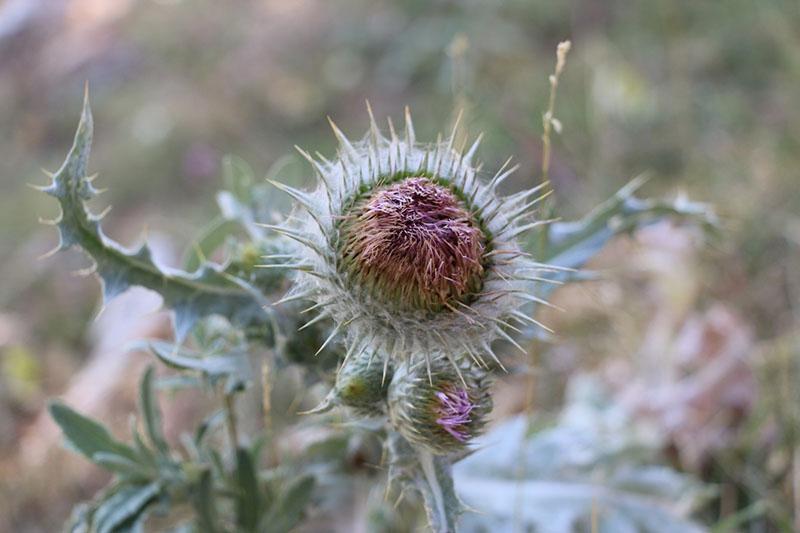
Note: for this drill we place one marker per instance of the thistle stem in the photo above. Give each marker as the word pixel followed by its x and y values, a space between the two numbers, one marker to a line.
pixel 230 420
pixel 435 490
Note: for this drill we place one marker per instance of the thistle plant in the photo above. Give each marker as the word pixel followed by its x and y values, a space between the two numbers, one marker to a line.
pixel 407 270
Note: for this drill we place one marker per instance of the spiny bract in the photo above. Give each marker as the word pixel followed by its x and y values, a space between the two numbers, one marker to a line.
pixel 408 251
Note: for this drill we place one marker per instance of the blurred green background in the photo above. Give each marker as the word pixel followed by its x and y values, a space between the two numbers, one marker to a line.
pixel 701 96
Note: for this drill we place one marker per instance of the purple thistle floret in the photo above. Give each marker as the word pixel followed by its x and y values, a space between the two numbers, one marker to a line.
pixel 454 410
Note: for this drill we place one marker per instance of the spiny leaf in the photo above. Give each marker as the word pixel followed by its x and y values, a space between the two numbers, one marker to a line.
pixel 568 246
pixel 192 296
pixel 572 244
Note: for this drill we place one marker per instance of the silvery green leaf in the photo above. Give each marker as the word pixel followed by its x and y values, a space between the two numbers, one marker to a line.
pixel 192 296
pixel 126 468
pixel 205 504
pixel 248 493
pixel 148 404
pixel 87 436
pixel 571 244
pixel 592 467
pixel 122 509
pixel 233 365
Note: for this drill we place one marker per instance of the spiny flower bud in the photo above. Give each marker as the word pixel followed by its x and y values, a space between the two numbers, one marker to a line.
pixel 361 385
pixel 439 410
pixel 411 255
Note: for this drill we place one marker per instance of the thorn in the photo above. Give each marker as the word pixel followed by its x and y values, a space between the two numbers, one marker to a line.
pixel 40 188
pixel 455 130
pixel 329 339
pixel 316 306
pixel 316 165
pixel 49 222
pixel 84 272
pixel 522 317
pixel 392 130
pixel 502 174
pixel 536 299
pixel 297 194
pixel 361 348
pixel 291 266
pixel 101 214
pixel 428 364
pixel 325 405
pixel 507 325
pixel 476 359
pixel 544 267
pixel 411 137
pixel 540 279
pixel 488 349
pixel 294 297
pixel 385 369
pixel 343 141
pixel 51 253
pixel 467 159
pixel 319 317
pixel 515 232
pixel 373 126
pixel 294 235
pixel 507 337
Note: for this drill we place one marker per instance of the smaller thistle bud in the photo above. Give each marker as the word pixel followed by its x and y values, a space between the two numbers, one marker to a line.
pixel 361 385
pixel 439 408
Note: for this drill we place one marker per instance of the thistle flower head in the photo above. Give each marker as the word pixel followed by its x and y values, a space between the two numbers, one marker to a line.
pixel 411 254
pixel 414 244
pixel 439 409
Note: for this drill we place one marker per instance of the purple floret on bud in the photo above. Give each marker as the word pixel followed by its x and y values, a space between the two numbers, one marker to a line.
pixel 455 409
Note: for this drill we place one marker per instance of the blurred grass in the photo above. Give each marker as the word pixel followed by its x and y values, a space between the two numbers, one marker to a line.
pixel 700 95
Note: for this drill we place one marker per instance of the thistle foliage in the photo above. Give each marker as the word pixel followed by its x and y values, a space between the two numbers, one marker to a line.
pixel 424 359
